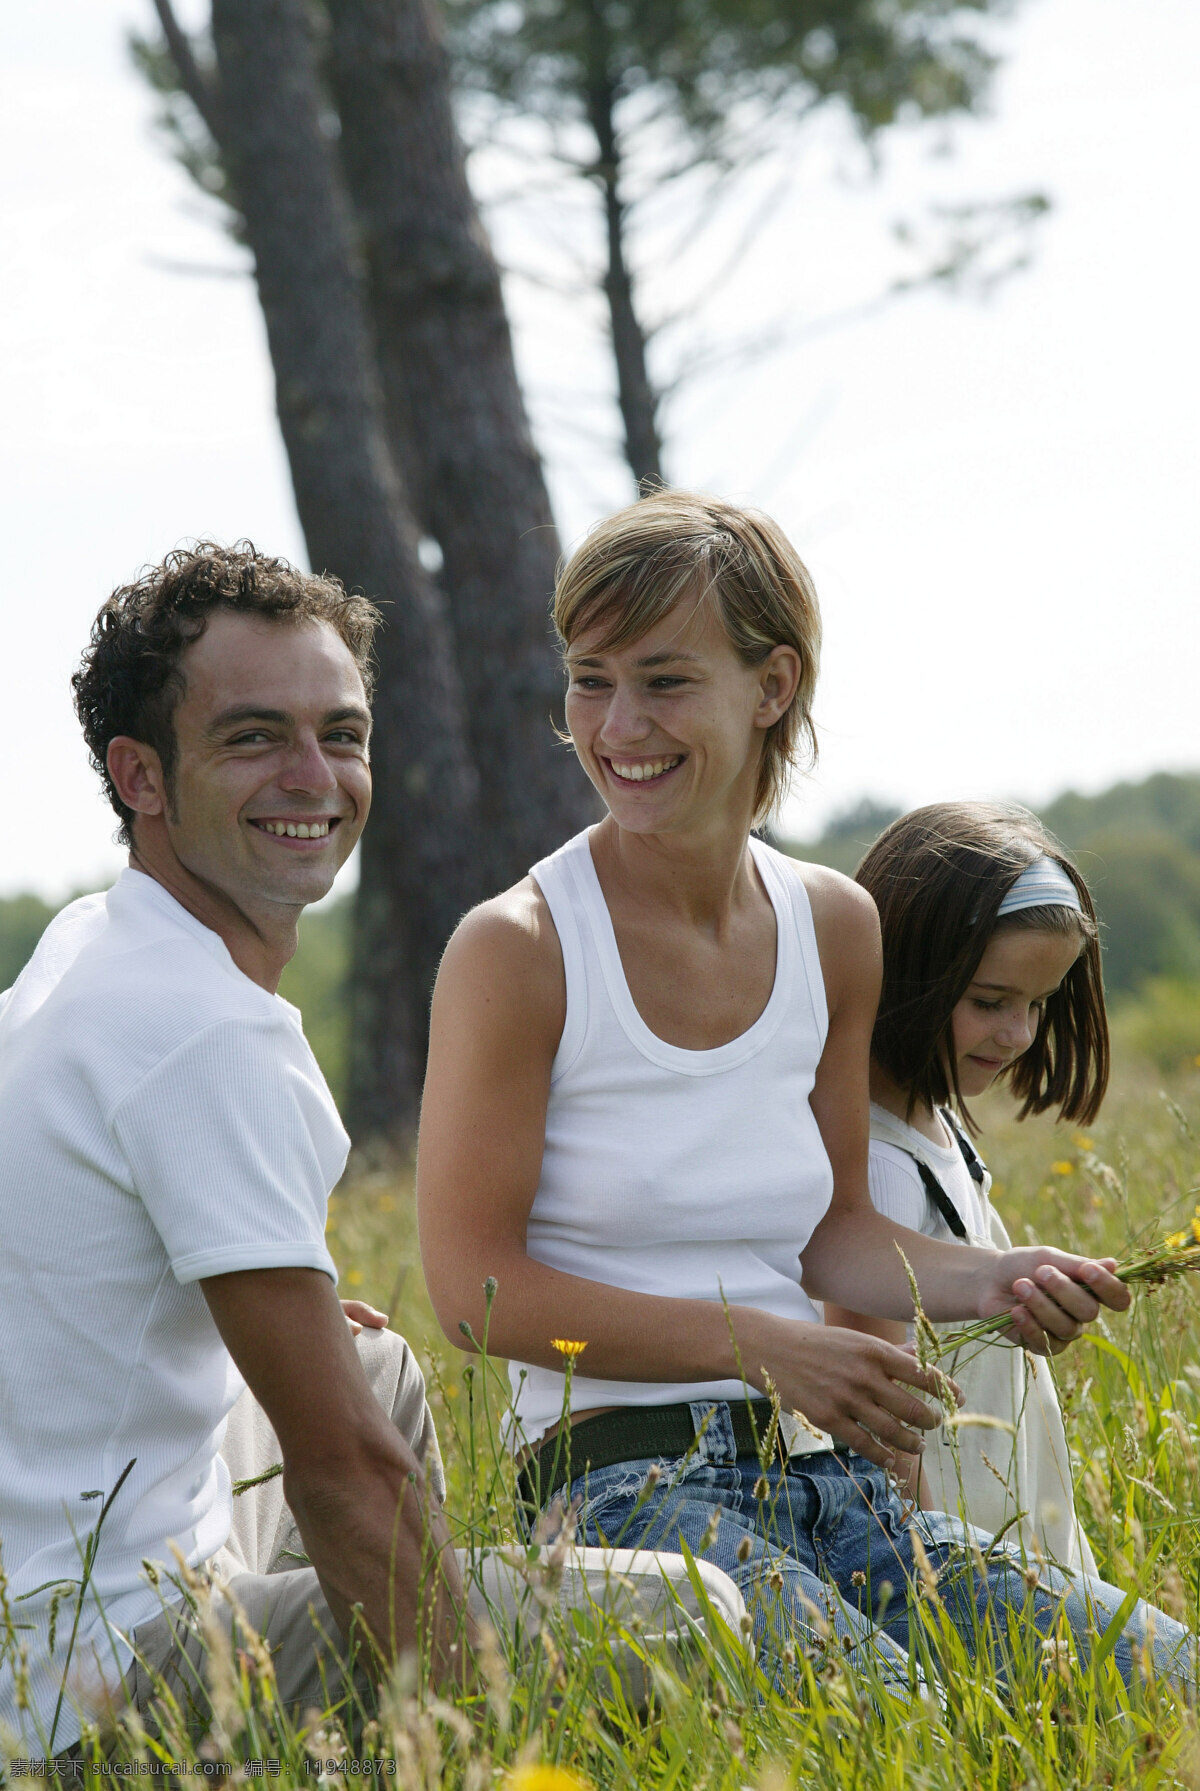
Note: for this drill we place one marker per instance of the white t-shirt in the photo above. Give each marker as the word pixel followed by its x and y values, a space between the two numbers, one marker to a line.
pixel 163 1119
pixel 1008 1453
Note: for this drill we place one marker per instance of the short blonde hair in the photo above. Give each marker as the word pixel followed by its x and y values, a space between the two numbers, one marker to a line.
pixel 634 567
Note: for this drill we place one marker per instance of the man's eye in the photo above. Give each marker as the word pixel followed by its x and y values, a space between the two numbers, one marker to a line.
pixel 665 683
pixel 254 737
pixel 345 737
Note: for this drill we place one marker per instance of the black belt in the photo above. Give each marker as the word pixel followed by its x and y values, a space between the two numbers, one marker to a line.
pixel 633 1433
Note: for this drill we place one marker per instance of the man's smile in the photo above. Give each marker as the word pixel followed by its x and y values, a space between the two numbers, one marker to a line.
pixel 280 828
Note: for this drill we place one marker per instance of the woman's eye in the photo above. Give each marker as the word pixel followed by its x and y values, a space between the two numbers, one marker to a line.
pixel 587 681
pixel 666 683
pixel 989 1007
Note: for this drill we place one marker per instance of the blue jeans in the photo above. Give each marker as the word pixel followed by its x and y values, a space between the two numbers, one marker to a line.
pixel 823 1548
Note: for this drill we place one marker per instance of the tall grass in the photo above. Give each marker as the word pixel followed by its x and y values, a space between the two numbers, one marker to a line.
pixel 709 1718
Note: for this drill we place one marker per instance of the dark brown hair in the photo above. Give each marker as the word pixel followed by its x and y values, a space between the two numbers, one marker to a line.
pixel 131 678
pixel 938 877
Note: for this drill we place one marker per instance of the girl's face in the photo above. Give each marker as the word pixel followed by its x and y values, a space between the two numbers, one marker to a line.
pixel 997 1019
pixel 670 728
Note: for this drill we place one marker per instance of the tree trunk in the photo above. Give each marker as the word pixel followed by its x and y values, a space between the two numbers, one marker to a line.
pixel 456 419
pixel 635 394
pixel 419 866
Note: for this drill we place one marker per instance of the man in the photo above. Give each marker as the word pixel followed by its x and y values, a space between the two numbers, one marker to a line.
pixel 169 1148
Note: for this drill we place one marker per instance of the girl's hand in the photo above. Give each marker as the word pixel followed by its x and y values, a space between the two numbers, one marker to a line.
pixel 358 1314
pixel 1049 1295
pixel 855 1387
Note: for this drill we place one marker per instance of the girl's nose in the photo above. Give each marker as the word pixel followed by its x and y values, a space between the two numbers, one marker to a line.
pixel 1016 1030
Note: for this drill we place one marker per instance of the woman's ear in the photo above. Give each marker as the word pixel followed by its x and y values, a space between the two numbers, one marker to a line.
pixel 778 681
pixel 137 774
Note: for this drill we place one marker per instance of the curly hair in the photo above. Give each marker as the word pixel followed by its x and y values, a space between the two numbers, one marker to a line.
pixel 938 877
pixel 131 677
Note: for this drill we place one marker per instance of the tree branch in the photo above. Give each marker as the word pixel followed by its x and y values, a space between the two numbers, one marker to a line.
pixel 203 92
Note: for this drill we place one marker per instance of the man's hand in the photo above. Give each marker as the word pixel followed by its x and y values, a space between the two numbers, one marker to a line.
pixel 371 1528
pixel 359 1314
pixel 1049 1295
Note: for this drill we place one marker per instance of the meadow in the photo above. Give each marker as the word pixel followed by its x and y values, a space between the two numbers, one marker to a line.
pixel 562 1714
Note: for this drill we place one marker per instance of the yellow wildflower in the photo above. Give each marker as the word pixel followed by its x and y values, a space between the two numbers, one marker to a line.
pixel 1062 1168
pixel 1082 1143
pixel 1196 1230
pixel 543 1778
pixel 354 1277
pixel 568 1349
pixel 1176 1240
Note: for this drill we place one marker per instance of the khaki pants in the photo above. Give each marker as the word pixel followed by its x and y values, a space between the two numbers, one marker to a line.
pixel 263 1566
pixel 264 1569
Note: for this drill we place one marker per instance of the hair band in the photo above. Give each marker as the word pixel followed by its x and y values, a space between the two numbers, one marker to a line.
pixel 1042 884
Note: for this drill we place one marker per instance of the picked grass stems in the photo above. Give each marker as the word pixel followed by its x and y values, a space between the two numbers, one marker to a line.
pixel 1178 1253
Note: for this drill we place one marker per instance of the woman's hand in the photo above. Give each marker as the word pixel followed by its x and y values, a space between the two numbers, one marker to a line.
pixel 855 1387
pixel 1049 1295
pixel 358 1314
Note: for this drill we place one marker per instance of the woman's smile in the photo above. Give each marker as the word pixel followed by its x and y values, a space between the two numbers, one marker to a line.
pixel 642 770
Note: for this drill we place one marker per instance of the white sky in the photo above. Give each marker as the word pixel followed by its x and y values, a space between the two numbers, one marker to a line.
pixel 998 501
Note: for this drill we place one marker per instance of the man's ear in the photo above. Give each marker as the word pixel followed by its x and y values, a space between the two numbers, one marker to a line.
pixel 137 774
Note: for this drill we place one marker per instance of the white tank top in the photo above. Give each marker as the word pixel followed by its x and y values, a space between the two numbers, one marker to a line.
pixel 675 1172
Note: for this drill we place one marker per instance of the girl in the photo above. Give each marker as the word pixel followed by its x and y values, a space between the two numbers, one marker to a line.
pixel 645 1127
pixel 991 971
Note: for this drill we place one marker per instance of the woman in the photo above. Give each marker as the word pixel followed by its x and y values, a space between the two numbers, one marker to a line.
pixel 646 1117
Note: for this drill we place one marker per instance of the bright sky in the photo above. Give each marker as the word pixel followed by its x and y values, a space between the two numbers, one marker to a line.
pixel 997 500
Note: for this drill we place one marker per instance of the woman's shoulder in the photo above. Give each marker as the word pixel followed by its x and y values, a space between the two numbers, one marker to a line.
pixel 836 901
pixel 513 929
pixel 506 952
pixel 846 927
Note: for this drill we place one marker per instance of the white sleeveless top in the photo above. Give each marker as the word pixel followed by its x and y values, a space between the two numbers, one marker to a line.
pixel 681 1173
pixel 1006 1463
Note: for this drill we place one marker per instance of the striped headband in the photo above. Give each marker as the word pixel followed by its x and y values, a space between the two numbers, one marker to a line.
pixel 1042 884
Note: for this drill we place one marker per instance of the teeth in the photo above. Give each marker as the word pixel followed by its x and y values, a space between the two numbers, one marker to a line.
pixel 296 830
pixel 636 774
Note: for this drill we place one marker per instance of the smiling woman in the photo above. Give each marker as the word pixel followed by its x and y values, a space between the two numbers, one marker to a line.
pixel 645 1125
pixel 629 579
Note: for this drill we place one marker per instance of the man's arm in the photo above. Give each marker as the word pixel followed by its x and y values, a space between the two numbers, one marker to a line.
pixel 373 1531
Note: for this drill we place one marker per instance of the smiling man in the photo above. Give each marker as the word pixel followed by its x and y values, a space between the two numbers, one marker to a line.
pixel 169 1148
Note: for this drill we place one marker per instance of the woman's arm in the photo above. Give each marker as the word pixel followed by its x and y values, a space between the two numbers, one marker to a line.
pixel 852 1259
pixel 498 1014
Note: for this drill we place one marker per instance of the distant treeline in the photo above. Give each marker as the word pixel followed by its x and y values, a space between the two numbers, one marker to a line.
pixel 1137 844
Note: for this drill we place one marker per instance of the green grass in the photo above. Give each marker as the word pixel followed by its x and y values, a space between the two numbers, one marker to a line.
pixel 1132 1400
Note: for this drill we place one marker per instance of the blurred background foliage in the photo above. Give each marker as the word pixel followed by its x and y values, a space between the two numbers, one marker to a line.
pixel 1137 843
